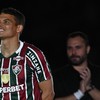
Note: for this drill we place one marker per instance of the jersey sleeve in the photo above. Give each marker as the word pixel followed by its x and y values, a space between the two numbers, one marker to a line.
pixel 40 64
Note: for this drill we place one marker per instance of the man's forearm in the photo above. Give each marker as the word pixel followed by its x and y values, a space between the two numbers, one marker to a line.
pixel 95 94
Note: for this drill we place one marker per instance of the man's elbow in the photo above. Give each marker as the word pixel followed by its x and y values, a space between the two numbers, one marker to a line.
pixel 48 95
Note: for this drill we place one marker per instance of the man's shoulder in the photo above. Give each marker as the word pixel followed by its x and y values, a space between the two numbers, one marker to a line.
pixel 95 68
pixel 93 65
pixel 31 47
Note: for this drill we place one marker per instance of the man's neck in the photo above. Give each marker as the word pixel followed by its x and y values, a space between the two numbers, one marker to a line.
pixel 8 48
pixel 81 67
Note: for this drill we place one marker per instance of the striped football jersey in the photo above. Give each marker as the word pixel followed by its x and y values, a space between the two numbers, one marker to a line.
pixel 21 72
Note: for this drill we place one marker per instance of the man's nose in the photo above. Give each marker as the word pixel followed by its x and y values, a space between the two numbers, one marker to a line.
pixel 73 51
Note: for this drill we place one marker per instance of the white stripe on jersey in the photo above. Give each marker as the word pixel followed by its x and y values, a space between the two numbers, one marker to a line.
pixel 9 74
pixel 1 81
pixel 25 77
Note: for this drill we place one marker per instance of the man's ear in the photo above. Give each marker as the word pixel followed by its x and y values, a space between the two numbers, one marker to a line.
pixel 19 28
pixel 88 49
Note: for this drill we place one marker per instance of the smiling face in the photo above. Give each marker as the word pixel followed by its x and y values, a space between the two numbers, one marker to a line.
pixel 8 26
pixel 77 50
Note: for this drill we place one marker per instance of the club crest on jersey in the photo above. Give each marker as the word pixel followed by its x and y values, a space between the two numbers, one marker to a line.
pixel 17 69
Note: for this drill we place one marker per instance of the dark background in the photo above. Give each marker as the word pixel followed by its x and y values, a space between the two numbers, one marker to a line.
pixel 48 22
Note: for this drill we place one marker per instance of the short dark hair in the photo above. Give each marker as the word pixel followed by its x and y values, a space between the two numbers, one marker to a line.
pixel 81 34
pixel 19 17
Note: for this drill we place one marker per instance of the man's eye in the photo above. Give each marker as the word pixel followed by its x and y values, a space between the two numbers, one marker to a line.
pixel 69 48
pixel 78 47
pixel 6 22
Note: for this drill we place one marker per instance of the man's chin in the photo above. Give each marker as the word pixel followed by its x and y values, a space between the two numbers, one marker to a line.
pixel 75 63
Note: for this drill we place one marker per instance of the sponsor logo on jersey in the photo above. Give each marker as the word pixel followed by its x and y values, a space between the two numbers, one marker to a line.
pixel 12 89
pixel 35 60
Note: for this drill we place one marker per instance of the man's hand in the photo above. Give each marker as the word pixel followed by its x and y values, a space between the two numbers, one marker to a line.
pixel 86 79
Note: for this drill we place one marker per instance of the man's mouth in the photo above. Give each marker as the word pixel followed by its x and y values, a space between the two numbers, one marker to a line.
pixel 1 30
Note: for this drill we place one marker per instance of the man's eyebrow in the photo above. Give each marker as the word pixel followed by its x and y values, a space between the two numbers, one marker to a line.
pixel 7 19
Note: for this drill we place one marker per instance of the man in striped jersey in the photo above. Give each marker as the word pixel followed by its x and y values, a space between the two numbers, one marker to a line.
pixel 24 70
